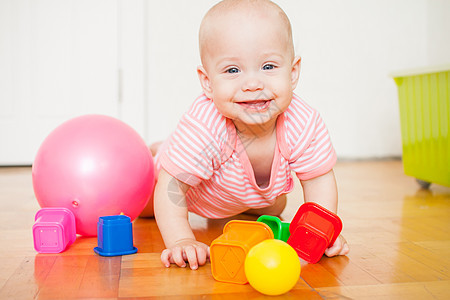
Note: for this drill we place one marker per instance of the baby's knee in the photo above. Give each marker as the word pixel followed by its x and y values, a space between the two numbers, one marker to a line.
pixel 275 210
pixel 278 207
pixel 154 148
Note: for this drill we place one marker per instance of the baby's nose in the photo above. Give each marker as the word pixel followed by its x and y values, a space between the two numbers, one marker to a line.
pixel 252 83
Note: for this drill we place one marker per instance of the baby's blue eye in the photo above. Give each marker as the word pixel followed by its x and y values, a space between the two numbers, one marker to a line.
pixel 232 70
pixel 268 67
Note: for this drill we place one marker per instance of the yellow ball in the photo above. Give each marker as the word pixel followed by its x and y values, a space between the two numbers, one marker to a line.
pixel 272 267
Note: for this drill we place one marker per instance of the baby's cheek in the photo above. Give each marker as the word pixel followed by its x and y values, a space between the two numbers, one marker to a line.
pixel 227 109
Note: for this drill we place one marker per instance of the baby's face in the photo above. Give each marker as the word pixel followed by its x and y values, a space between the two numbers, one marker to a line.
pixel 249 65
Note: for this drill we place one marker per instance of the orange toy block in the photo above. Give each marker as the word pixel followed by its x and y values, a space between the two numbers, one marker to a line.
pixel 229 250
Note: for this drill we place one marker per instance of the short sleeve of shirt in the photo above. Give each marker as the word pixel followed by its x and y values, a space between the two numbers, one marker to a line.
pixel 191 154
pixel 313 153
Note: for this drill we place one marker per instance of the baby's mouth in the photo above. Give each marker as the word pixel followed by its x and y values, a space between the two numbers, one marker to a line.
pixel 255 105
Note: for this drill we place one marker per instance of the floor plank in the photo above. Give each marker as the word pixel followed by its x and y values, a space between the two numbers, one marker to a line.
pixel 399 237
pixel 143 275
pixel 416 290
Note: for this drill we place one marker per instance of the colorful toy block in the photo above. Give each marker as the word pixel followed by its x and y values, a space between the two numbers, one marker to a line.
pixel 280 229
pixel 115 236
pixel 228 251
pixel 313 230
pixel 54 229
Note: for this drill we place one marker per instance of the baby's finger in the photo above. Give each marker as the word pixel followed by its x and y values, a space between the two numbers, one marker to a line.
pixel 191 257
pixel 345 249
pixel 177 256
pixel 166 256
pixel 201 255
pixel 333 250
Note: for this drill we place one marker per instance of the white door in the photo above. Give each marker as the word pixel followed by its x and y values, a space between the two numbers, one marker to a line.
pixel 58 59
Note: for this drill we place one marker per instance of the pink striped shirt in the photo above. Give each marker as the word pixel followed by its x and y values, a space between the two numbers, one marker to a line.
pixel 206 153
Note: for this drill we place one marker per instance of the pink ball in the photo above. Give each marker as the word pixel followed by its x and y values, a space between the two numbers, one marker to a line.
pixel 95 166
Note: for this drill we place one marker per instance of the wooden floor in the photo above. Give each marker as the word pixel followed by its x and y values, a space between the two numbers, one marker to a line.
pixel 399 237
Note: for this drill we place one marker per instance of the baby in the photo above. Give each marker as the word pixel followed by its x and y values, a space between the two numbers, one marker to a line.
pixel 235 149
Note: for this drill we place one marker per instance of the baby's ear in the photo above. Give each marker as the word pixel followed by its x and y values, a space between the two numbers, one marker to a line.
pixel 204 81
pixel 295 73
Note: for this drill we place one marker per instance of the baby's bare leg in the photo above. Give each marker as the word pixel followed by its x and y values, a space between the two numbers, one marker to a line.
pixel 275 210
pixel 155 147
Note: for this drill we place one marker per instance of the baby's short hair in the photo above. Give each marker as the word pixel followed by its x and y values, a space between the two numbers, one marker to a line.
pixel 227 6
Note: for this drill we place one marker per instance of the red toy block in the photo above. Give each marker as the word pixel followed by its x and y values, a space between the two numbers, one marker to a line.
pixel 313 230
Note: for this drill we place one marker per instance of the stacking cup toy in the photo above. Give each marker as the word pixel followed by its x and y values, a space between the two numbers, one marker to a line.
pixel 228 251
pixel 115 236
pixel 280 229
pixel 54 229
pixel 313 230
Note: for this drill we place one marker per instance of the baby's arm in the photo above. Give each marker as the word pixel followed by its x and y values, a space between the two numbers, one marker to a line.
pixel 323 191
pixel 171 215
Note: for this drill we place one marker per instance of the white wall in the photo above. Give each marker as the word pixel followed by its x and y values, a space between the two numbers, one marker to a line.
pixel 172 61
pixel 348 47
pixel 438 38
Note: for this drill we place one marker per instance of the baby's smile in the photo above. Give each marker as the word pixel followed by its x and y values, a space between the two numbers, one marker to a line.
pixel 255 105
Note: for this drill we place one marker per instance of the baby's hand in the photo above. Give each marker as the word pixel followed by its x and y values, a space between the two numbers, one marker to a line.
pixel 187 250
pixel 340 247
